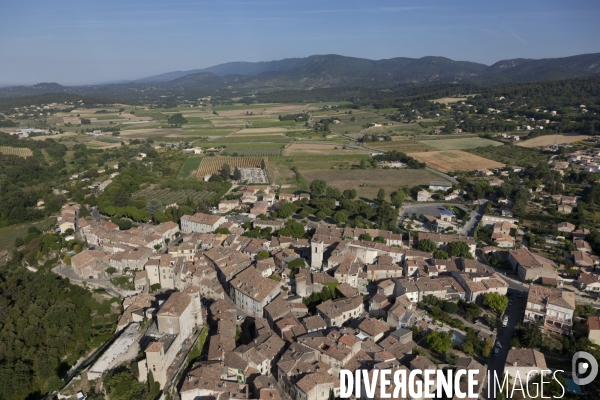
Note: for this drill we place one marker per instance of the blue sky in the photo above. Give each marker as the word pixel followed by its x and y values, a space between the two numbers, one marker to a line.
pixel 83 42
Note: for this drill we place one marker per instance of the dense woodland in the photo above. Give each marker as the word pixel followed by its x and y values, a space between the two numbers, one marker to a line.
pixel 46 324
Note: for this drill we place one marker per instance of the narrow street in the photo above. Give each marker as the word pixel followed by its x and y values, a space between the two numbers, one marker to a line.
pixel 496 362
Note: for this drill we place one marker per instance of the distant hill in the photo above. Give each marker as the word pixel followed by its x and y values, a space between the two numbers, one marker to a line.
pixel 335 70
pixel 329 71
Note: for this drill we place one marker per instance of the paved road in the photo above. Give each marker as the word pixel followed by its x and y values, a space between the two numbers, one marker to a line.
pixel 474 219
pixel 443 175
pixel 496 362
pixel 96 214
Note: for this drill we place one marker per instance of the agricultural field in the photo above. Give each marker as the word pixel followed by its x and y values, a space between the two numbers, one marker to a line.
pixel 405 146
pixel 16 151
pixel 321 148
pixel 9 233
pixel 511 155
pixel 168 196
pixel 341 171
pixel 549 140
pixel 455 160
pixel 259 151
pixel 108 117
pixel 189 167
pixel 368 182
pixel 450 100
pixel 213 165
pixel 460 144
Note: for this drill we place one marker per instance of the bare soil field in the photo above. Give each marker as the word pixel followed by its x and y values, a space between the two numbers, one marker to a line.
pixel 449 100
pixel 455 160
pixel 368 182
pixel 314 148
pixel 460 143
pixel 548 140
pixel 227 122
pixel 253 131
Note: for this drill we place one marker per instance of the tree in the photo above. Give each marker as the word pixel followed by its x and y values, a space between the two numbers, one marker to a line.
pixel 349 194
pixel 439 342
pixel 320 216
pixel 237 174
pixel 451 358
pixel 340 217
pixel 440 254
pixel 397 198
pixel 496 301
pixel 381 195
pixel 532 336
pixel 154 206
pixel 487 349
pixel 317 187
pixel 459 249
pixel 450 307
pixel 262 255
pixel 161 217
pixel 111 270
pixel 225 171
pixel 366 237
pixel 427 245
pixel 67 260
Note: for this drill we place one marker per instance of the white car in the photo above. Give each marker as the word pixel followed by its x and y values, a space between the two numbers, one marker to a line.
pixel 239 318
pixel 504 321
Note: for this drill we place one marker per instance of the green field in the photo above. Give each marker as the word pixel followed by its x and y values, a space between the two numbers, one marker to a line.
pixel 108 140
pixel 168 196
pixel 9 233
pixel 150 113
pixel 271 124
pixel 240 106
pixel 254 151
pixel 511 155
pixel 207 132
pixel 107 117
pixel 198 120
pixel 460 144
pixel 190 166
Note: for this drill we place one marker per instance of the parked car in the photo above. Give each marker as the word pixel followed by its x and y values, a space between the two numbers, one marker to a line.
pixel 504 321
pixel 496 351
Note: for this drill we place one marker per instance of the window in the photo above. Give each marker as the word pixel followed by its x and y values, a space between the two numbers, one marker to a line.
pixel 169 320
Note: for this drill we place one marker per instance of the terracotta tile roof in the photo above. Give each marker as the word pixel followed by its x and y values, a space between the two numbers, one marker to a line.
pixel 372 327
pixel 314 322
pixel 594 323
pixel 175 304
pixel 154 347
pixel 525 358
pixel 310 381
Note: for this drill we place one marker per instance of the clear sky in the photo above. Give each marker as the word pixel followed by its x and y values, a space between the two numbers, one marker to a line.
pixel 85 41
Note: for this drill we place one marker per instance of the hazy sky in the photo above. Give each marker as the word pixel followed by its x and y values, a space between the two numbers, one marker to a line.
pixel 83 42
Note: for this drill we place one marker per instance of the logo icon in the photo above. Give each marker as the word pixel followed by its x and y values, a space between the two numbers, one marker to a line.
pixel 589 367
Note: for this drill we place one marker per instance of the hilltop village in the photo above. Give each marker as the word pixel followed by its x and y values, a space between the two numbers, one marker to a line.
pixel 242 302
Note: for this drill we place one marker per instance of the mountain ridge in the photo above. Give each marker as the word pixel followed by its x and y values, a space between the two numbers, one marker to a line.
pixel 332 70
